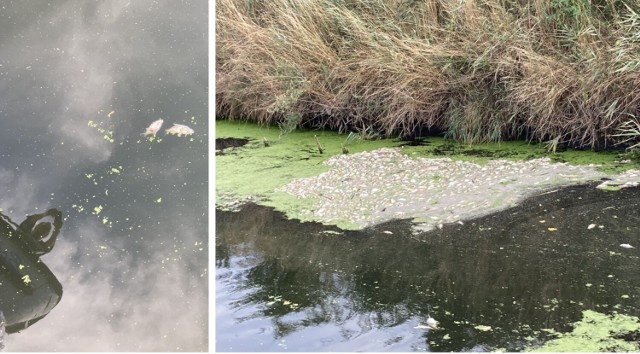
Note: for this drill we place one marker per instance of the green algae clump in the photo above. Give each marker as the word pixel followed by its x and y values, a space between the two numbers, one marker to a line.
pixel 597 332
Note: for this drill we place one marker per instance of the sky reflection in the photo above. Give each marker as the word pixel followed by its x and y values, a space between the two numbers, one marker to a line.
pixel 132 254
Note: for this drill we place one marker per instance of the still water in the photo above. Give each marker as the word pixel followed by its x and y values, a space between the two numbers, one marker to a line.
pixel 79 82
pixel 500 281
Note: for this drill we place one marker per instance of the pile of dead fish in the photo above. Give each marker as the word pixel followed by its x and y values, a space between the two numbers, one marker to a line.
pixel 372 187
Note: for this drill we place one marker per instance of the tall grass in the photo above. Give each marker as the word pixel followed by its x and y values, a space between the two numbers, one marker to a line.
pixel 478 70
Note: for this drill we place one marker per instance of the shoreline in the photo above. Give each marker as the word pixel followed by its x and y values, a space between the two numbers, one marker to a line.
pixel 382 183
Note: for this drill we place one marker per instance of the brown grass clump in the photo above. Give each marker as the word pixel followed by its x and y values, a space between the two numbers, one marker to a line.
pixel 478 70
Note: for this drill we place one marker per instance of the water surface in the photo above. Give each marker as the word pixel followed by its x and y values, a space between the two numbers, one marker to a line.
pixel 500 281
pixel 79 82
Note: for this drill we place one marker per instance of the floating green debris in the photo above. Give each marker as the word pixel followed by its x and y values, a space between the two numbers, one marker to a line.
pixel 21 266
pixel 596 332
pixel 107 134
pixel 159 200
pixel 108 137
pixel 625 296
pixel 26 279
pixel 97 210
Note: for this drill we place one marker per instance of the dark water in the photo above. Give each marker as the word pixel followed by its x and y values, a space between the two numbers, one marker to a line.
pixel 132 254
pixel 533 267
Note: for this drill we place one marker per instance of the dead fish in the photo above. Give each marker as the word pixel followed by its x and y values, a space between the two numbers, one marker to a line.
pixel 153 128
pixel 180 130
pixel 430 324
pixel 626 245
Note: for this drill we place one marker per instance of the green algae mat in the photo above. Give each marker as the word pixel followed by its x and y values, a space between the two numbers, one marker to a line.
pixel 271 159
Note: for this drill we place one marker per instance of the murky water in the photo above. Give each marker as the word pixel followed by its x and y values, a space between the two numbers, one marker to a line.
pixel 80 81
pixel 501 281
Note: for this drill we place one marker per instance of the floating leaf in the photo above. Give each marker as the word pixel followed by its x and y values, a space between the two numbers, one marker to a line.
pixel 552 229
pixel 625 296
pixel 286 302
pixel 588 285
pixel 591 226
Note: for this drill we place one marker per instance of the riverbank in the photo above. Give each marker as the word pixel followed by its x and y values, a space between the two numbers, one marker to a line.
pixel 562 71
pixel 433 181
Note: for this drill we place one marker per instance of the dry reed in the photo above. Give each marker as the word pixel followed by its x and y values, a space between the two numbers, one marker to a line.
pixel 562 70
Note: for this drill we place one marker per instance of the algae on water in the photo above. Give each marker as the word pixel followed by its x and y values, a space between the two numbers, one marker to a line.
pixel 597 332
pixel 384 179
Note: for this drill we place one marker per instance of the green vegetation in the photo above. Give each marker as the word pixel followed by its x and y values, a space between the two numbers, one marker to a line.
pixel 562 71
pixel 597 332
pixel 256 170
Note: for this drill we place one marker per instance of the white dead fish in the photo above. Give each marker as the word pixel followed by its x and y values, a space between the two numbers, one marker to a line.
pixel 153 128
pixel 626 245
pixel 180 130
pixel 430 324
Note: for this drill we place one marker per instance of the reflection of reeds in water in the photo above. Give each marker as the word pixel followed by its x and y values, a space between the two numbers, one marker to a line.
pixel 502 271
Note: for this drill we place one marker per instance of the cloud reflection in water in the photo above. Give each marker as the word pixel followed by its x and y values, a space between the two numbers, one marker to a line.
pixel 139 280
